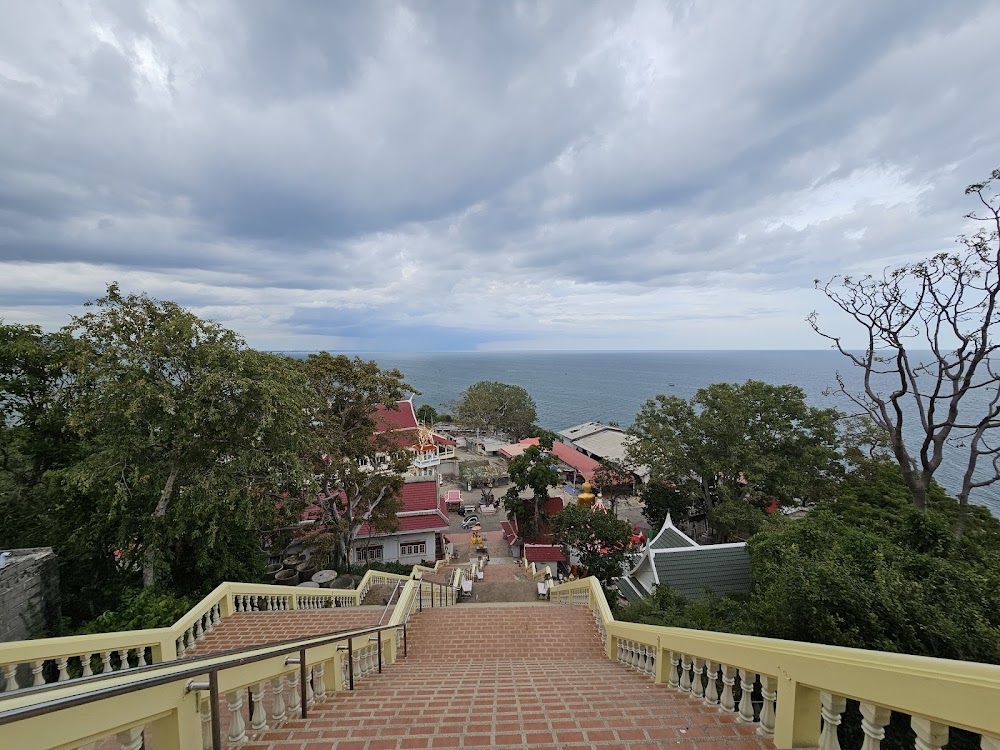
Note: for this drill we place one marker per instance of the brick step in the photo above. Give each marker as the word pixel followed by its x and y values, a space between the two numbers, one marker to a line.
pixel 509 677
pixel 242 629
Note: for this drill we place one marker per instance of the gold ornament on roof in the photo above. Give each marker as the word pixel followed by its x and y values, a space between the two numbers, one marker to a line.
pixel 586 497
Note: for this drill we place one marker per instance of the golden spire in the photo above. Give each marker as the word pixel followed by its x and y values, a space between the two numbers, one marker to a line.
pixel 586 497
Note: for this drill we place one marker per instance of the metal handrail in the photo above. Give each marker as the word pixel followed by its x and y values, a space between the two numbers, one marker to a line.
pixel 389 603
pixel 286 647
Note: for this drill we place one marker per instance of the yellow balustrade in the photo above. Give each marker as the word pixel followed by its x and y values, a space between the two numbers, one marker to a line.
pixel 172 718
pixel 804 685
pixel 81 656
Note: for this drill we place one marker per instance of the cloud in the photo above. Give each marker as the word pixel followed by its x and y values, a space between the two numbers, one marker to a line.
pixel 480 175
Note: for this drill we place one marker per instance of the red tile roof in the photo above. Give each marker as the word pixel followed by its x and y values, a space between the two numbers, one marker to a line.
pixel 585 465
pixel 433 521
pixel 420 496
pixel 401 418
pixel 516 449
pixel 542 553
pixel 444 441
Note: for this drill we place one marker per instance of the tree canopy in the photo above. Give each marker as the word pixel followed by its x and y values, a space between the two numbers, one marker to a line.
pixel 530 470
pixel 949 400
pixel 739 441
pixel 614 481
pixel 600 539
pixel 190 437
pixel 359 469
pixel 497 407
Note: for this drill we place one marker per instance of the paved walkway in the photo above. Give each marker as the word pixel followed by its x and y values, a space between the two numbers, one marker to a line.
pixel 521 677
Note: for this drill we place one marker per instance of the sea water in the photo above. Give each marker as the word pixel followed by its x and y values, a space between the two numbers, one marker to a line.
pixel 570 388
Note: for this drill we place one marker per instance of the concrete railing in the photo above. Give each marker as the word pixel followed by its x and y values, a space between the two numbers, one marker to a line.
pixel 802 687
pixel 38 662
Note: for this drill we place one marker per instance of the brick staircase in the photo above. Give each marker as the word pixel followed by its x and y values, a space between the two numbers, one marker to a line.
pixel 243 629
pixel 510 676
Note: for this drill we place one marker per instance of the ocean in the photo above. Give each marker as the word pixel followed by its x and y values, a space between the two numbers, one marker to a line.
pixel 574 387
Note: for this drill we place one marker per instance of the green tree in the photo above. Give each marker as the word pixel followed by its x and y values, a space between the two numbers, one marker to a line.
pixel 614 480
pixel 498 407
pixel 33 435
pixel 191 439
pixel 427 414
pixel 532 469
pixel 732 441
pixel 660 499
pixel 737 520
pixel 358 468
pixel 950 399
pixel 600 539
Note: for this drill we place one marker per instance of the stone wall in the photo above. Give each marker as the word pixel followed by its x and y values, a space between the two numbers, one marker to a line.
pixel 29 594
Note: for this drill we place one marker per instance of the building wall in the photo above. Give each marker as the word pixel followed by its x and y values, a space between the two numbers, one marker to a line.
pixel 391 547
pixel 29 594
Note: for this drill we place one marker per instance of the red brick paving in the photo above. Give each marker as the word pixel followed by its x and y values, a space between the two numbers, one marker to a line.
pixel 527 677
pixel 242 629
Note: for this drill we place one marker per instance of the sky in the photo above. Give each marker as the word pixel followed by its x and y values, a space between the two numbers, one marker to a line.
pixel 438 176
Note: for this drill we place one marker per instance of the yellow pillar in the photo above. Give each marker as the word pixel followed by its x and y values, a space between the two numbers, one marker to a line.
pixel 178 730
pixel 797 723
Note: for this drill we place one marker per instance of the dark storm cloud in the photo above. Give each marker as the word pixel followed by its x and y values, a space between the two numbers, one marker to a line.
pixel 500 162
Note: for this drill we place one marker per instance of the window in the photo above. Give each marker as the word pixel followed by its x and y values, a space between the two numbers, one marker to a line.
pixel 369 553
pixel 416 548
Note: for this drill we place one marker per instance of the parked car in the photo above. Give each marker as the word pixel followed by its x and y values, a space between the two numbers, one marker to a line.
pixel 470 521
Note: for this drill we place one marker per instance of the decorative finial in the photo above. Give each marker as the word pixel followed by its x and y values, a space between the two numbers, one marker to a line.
pixel 586 497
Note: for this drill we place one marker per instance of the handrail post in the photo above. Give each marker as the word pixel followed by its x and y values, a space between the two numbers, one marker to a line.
pixel 420 593
pixel 432 594
pixel 350 663
pixel 213 698
pixel 379 633
pixel 303 681
pixel 404 640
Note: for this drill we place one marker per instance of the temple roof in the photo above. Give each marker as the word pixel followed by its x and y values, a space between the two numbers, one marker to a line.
pixel 670 536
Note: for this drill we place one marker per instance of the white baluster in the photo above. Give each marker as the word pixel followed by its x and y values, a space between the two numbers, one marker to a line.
pixel 61 665
pixel 259 722
pixel 651 662
pixel 873 722
pixel 698 686
pixel 621 650
pixel 930 734
pixel 140 654
pixel 270 603
pixel 236 603
pixel 190 637
pixel 310 695
pixel 105 662
pixel 237 727
pixel 181 648
pixel 130 739
pixel 216 614
pixel 85 667
pixel 728 680
pixel 10 676
pixel 685 673
pixel 278 705
pixel 711 684
pixel 319 686
pixel 210 620
pixel 295 698
pixel 675 660
pixel 36 671
pixel 197 630
pixel 205 708
pixel 831 708
pixel 747 681
pixel 769 692
pixel 123 658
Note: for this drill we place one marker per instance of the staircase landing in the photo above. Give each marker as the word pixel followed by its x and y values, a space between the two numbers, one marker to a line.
pixel 509 676
pixel 244 629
